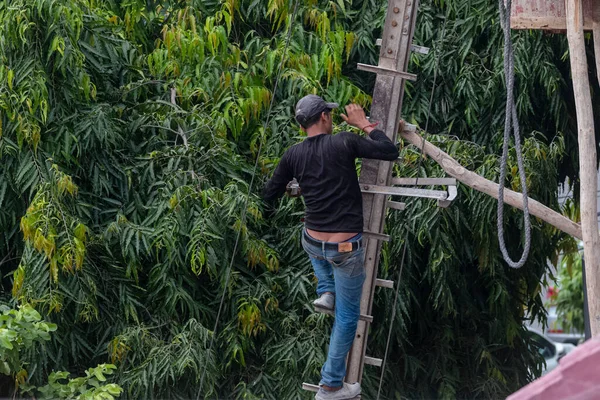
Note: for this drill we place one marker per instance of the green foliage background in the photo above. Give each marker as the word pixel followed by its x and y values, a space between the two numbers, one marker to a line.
pixel 570 300
pixel 129 131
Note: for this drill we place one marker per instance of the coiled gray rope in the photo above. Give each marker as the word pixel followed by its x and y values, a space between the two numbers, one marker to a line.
pixel 511 121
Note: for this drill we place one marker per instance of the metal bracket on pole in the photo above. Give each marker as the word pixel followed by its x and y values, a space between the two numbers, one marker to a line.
pixel 376 236
pixel 377 362
pixel 415 48
pixel 386 71
pixel 384 283
pixel 450 182
pixel 423 181
pixel 452 193
pixel 310 387
pixel 396 205
pixel 395 191
pixel 419 49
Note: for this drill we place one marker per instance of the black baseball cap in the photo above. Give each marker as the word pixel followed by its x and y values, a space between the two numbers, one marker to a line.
pixel 311 105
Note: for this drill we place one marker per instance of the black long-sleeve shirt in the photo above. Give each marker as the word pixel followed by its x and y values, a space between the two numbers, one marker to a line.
pixel 325 169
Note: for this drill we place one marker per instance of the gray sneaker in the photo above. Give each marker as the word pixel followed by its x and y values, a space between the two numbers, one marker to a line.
pixel 325 301
pixel 347 392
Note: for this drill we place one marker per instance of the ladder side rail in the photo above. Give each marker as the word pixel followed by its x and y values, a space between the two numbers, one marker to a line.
pixel 387 104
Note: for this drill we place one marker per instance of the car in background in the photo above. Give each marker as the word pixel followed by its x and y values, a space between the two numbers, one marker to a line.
pixel 550 350
pixel 554 329
pixel 556 332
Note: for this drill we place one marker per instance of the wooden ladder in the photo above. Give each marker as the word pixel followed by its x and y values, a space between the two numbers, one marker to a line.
pixel 377 184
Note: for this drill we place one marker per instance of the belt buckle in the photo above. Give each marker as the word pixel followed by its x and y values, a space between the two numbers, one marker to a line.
pixel 345 247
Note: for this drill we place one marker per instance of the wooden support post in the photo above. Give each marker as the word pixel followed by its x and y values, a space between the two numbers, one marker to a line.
pixel 588 168
pixel 387 104
pixel 479 183
pixel 596 32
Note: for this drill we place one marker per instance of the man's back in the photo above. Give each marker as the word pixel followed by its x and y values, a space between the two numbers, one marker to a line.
pixel 324 166
pixel 325 169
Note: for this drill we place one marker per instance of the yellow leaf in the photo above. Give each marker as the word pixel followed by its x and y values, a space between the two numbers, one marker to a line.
pixel 11 76
pixel 53 269
pixel 44 108
pixel 350 37
pixel 192 24
pixel 20 377
pixel 55 302
pixel 19 277
pixel 173 201
pixel 80 232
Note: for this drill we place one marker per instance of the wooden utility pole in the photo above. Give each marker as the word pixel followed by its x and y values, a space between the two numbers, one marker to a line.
pixel 596 32
pixel 386 107
pixel 588 167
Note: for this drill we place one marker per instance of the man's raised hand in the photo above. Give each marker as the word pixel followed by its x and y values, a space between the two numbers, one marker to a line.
pixel 355 116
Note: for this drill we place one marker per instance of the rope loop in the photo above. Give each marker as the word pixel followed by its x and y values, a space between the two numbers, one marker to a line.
pixel 511 122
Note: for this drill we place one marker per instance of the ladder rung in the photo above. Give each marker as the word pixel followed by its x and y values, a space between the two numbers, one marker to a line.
pixel 386 71
pixel 376 236
pixel 384 283
pixel 396 205
pixel 419 49
pixel 363 317
pixel 373 361
pixel 315 388
pixel 413 47
pixel 310 387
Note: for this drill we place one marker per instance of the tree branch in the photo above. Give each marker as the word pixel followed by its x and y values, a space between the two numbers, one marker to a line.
pixel 479 183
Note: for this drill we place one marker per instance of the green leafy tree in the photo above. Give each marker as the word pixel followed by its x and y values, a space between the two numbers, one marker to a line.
pixel 20 329
pixel 90 387
pixel 129 135
pixel 569 299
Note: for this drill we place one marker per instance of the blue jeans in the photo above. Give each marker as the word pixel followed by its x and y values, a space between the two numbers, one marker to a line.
pixel 344 275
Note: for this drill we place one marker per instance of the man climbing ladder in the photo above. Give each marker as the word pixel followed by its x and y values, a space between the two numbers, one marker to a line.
pixel 324 166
